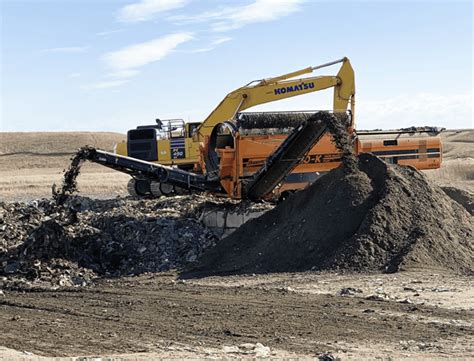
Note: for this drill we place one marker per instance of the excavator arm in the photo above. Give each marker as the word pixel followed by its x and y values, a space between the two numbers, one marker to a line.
pixel 281 87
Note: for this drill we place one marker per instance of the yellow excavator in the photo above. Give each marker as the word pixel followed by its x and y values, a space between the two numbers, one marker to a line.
pixel 176 143
pixel 263 155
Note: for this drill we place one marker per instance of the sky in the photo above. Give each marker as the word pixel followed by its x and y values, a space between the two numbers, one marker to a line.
pixel 108 65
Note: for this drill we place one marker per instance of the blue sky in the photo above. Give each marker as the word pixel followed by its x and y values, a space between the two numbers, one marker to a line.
pixel 111 65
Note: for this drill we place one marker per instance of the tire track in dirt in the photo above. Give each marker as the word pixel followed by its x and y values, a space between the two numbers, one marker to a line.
pixel 136 313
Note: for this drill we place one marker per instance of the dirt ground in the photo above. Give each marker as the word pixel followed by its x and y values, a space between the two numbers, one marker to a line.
pixel 418 314
pixel 302 314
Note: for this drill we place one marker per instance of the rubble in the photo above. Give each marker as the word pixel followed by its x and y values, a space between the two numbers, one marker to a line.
pixel 73 244
pixel 349 291
pixel 71 240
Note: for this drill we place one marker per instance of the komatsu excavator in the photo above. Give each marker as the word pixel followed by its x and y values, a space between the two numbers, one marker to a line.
pixel 264 155
pixel 176 143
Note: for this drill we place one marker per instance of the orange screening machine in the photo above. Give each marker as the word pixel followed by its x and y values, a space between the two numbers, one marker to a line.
pixel 291 161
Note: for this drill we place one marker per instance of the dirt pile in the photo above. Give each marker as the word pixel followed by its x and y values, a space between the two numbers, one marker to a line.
pixel 374 217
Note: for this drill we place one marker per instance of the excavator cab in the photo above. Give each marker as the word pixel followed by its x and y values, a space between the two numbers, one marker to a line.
pixel 167 142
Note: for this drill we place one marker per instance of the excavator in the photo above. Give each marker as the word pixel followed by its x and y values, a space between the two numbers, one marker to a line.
pixel 260 155
pixel 176 143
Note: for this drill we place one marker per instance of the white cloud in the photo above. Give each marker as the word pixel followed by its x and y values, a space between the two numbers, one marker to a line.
pixel 235 17
pixel 221 40
pixel 67 49
pixel 449 111
pixel 74 75
pixel 123 63
pixel 138 55
pixel 105 84
pixel 109 32
pixel 123 74
pixel 212 46
pixel 259 11
pixel 199 50
pixel 201 17
pixel 147 9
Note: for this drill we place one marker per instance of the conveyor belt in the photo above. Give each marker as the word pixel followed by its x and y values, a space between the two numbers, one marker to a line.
pixel 287 156
pixel 160 173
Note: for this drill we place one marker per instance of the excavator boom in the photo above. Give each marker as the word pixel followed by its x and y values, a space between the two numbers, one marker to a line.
pixel 281 87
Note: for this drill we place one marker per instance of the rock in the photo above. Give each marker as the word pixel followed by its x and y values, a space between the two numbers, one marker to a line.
pixel 261 351
pixel 349 291
pixel 443 289
pixel 378 297
pixel 230 349
pixel 11 267
pixel 247 346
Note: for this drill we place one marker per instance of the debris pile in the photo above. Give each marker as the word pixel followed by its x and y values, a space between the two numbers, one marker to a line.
pixel 70 240
pixel 364 216
pixel 86 238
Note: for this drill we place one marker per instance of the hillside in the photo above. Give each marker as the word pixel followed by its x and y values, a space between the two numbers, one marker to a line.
pixel 49 150
pixel 31 162
pixel 458 160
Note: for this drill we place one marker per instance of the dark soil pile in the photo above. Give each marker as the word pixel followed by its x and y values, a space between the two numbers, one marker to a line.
pixel 371 218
